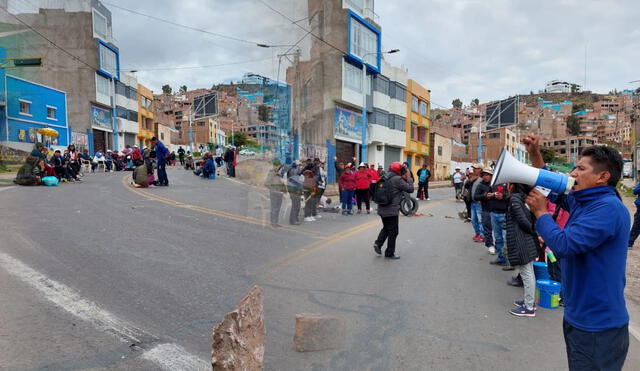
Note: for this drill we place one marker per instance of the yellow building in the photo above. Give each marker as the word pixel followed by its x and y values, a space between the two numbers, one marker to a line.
pixel 145 116
pixel 416 151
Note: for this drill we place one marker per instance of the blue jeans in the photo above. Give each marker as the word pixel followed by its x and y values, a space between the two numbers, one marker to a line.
pixel 476 218
pixel 497 219
pixel 347 199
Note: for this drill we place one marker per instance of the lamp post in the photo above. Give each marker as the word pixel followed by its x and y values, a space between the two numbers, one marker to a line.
pixel 363 146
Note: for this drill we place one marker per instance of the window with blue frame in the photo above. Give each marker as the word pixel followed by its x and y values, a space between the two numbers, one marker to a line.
pixel 108 60
pixel 364 41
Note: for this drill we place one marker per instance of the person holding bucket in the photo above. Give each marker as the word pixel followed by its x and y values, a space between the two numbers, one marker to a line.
pixel 593 252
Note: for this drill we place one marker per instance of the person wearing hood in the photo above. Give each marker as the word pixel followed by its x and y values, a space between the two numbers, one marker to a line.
pixel 29 173
pixel 363 185
pixel 592 249
pixel 398 180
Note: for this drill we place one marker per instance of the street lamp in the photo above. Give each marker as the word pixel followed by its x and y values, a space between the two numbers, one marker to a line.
pixel 363 151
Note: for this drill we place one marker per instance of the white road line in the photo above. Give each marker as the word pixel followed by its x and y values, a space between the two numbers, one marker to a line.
pixel 173 357
pixel 168 356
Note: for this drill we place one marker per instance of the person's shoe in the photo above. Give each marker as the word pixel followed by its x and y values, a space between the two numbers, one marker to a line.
pixel 295 223
pixel 344 212
pixel 515 282
pixel 318 216
pixel 523 312
pixel 350 212
pixel 428 199
pixel 394 257
pixel 308 219
pixel 275 225
pixel 377 249
pixel 313 219
pixel 508 267
pixel 498 262
pixel 359 211
pixel 520 303
pixel 476 238
pixel 369 211
pixel 492 250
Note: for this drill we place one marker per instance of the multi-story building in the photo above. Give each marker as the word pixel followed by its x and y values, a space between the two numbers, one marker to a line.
pixel 570 147
pixel 417 125
pixel 439 159
pixel 342 75
pixel 127 111
pixel 84 28
pixel 557 86
pixel 146 116
pixel 493 141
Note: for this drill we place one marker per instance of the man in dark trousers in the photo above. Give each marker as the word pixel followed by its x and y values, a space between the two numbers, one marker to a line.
pixel 229 160
pixel 162 153
pixel 592 249
pixel 295 188
pixel 181 155
pixel 423 182
pixel 399 180
pixel 480 195
pixel 277 189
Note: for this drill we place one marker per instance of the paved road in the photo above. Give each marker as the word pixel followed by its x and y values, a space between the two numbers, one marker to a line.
pixel 143 276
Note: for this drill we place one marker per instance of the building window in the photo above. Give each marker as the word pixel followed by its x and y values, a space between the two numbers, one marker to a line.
pixel 399 122
pixel 121 89
pixel 108 60
pixel 132 93
pixel 414 104
pixel 352 77
pixel 364 43
pixel 51 113
pixel 161 136
pixel 305 95
pixel 423 108
pixel 25 107
pixel 414 132
pixel 422 135
pixel 101 26
pixel 201 123
pixel 439 150
pixel 401 92
pixel 494 135
pixel 382 84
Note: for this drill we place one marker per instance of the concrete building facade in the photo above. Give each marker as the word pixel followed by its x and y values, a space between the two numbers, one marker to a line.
pixel 146 116
pixel 127 111
pixel 85 28
pixel 417 125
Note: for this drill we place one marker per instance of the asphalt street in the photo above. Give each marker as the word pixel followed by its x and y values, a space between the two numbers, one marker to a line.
pixel 99 275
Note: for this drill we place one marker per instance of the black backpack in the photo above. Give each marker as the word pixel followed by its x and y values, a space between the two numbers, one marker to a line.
pixel 383 193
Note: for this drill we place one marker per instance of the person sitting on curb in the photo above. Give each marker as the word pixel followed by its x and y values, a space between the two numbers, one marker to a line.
pixel 29 173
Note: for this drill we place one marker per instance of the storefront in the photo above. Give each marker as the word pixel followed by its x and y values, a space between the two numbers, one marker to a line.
pixel 348 134
pixel 102 128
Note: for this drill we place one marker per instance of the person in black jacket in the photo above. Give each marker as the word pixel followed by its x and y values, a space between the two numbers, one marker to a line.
pixel 398 178
pixel 522 246
pixel 480 195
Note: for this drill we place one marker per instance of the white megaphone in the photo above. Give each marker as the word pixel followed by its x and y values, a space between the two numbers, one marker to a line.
pixel 510 170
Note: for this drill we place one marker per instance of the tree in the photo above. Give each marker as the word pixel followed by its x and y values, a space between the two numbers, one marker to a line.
pixel 475 102
pixel 457 103
pixel 166 89
pixel 438 116
pixel 548 154
pixel 183 89
pixel 264 113
pixel 573 125
pixel 242 140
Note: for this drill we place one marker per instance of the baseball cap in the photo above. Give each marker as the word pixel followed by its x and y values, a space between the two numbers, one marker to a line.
pixel 487 171
pixel 478 165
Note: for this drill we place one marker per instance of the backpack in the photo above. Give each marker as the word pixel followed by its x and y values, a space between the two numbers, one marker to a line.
pixel 383 192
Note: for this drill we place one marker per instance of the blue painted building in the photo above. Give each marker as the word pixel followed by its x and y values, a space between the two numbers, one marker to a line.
pixel 29 107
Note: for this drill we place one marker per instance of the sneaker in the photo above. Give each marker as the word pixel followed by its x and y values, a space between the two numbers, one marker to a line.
pixel 308 219
pixel 476 238
pixel 428 199
pixel 317 216
pixel 498 262
pixel 350 212
pixel 520 303
pixel 344 212
pixel 377 249
pixel 369 211
pixel 492 250
pixel 508 267
pixel 523 312
pixel 359 211
pixel 394 257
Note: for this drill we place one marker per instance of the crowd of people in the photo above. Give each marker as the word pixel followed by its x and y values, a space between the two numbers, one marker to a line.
pixel 583 237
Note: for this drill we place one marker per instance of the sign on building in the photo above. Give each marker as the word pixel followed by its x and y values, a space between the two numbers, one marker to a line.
pixel 348 124
pixel 502 113
pixel 206 105
pixel 101 118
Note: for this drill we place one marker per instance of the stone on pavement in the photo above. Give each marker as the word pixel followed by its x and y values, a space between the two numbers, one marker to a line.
pixel 238 341
pixel 318 332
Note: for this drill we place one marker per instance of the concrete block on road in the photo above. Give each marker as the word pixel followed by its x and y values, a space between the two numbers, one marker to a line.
pixel 318 332
pixel 238 341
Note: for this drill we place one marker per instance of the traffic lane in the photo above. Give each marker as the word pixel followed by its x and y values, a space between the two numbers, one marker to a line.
pixel 170 271
pixel 37 335
pixel 441 305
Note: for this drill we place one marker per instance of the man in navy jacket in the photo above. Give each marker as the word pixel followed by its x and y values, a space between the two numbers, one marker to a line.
pixel 593 252
pixel 161 154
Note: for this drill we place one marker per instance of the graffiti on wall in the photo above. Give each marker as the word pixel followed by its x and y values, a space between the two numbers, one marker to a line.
pixel 312 151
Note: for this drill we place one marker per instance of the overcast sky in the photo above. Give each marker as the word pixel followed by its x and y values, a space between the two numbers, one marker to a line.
pixel 488 49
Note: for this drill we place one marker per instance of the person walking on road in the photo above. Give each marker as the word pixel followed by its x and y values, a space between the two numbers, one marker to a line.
pixel 162 153
pixel 181 153
pixel 398 180
pixel 321 178
pixel 458 178
pixel 310 185
pixel 230 160
pixel 592 249
pixel 276 191
pixel 294 187
pixel 423 182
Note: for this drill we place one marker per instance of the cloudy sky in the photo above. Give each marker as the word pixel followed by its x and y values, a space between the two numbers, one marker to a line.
pixel 488 49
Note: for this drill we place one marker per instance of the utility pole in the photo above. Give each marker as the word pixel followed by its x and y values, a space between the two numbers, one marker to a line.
pixel 298 138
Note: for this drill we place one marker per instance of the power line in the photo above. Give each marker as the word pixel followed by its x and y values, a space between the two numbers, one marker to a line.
pixel 304 29
pixel 183 25
pixel 73 56
pixel 197 67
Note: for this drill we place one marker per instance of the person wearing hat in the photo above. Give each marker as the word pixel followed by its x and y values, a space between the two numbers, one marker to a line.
pixel 474 210
pixel 347 183
pixel 457 178
pixel 423 182
pixel 39 151
pixel 136 154
pixel 295 188
pixel 494 206
pixel 363 184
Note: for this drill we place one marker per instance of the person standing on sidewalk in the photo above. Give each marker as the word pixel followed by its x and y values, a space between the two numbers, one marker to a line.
pixel 635 229
pixel 482 190
pixel 363 184
pixel 498 205
pixel 321 178
pixel 180 155
pixel 592 249
pixel 457 178
pixel 294 187
pixel 162 153
pixel 398 180
pixel 310 185
pixel 347 183
pixel 476 208
pixel 423 182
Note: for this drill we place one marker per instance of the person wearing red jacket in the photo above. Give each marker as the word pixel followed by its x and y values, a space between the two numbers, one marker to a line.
pixel 348 185
pixel 363 183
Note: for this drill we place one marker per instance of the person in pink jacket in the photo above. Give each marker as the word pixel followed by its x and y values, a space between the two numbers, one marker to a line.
pixel 348 185
pixel 363 183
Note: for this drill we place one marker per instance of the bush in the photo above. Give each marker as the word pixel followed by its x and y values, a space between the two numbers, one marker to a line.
pixel 196 154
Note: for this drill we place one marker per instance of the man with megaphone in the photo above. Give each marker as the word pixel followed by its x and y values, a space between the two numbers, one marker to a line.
pixel 592 249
